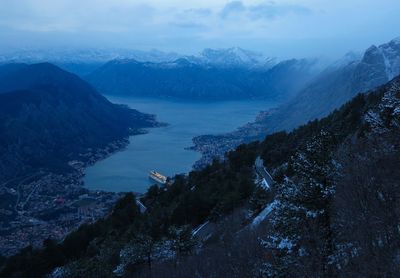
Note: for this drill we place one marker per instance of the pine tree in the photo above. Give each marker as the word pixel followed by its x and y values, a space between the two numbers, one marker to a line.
pixel 182 240
pixel 302 235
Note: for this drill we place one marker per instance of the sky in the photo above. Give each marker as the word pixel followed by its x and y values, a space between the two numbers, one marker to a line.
pixel 280 28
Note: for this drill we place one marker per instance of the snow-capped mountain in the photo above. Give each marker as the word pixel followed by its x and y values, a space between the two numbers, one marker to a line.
pixel 233 57
pixel 198 80
pixel 230 57
pixel 84 61
pixel 89 55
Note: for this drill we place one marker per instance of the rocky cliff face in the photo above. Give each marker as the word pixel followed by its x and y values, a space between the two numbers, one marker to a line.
pixel 379 65
pixel 333 88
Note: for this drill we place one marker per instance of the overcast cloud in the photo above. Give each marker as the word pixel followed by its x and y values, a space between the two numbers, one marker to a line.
pixel 283 28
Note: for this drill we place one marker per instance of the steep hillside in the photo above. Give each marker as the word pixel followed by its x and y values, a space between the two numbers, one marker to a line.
pixel 193 80
pixel 333 88
pixel 49 117
pixel 328 91
pixel 336 212
pixel 332 211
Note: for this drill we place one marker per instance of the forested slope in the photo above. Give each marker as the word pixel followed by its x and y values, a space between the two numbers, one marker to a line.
pixel 49 117
pixel 333 210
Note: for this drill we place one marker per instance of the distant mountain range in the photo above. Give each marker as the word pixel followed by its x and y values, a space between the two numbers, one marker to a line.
pixel 84 61
pixel 213 74
pixel 234 56
pixel 201 79
pixel 234 73
pixel 49 117
pixel 327 91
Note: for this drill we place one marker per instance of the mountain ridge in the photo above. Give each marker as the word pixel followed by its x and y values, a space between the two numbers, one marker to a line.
pixel 185 79
pixel 326 92
pixel 319 208
pixel 31 93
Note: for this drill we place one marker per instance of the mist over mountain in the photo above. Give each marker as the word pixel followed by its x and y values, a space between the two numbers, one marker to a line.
pixel 332 88
pixel 215 138
pixel 230 76
pixel 327 91
pixel 83 61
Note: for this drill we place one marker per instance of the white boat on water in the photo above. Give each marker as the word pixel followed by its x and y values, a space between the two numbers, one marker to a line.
pixel 157 177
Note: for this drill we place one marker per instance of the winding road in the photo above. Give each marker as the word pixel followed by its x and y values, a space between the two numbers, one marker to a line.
pixel 259 165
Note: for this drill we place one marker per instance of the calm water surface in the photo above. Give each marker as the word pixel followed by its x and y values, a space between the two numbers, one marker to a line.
pixel 163 149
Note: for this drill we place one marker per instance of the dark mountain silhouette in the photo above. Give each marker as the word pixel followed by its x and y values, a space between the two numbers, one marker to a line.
pixel 49 116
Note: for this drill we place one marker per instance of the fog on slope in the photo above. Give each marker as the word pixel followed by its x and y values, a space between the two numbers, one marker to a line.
pixel 335 86
pixel 330 89
pixel 198 79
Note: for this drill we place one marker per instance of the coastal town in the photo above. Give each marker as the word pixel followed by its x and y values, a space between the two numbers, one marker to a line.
pixel 216 146
pixel 48 205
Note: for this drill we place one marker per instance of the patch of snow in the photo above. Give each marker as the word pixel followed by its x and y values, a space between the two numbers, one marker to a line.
pixel 234 56
pixel 286 244
pixel 57 272
pixel 311 214
pixel 265 184
pixel 119 270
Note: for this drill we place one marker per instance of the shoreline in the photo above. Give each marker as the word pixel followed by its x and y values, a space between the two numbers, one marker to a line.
pixel 59 203
pixel 216 146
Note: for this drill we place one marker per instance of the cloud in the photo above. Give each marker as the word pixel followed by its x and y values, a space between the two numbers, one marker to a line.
pixel 266 10
pixel 198 12
pixel 232 8
pixel 270 26
pixel 272 10
pixel 195 19
pixel 74 16
pixel 189 25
